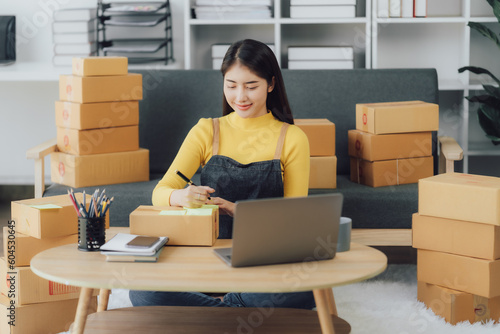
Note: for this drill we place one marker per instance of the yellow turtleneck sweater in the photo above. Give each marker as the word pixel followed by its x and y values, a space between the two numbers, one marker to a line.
pixel 245 140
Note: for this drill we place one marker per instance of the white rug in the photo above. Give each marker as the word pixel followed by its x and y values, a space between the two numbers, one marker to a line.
pixel 386 304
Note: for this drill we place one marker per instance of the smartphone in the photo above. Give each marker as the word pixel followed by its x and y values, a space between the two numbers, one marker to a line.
pixel 142 242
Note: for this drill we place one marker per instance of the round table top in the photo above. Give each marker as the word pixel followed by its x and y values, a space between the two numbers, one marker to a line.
pixel 187 268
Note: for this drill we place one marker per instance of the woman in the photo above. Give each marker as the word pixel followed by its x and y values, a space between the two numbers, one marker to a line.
pixel 253 151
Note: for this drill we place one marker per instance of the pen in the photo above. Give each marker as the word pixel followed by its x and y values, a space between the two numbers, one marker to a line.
pixel 185 178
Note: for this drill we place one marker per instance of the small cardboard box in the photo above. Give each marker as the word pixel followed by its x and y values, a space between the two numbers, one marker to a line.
pixel 456 237
pixel 186 227
pixel 390 172
pixel 47 217
pixel 372 147
pixel 23 247
pixel 98 169
pixel 98 141
pixel 53 317
pixel 457 306
pixel 397 117
pixel 26 287
pixel 100 88
pixel 323 172
pixel 474 198
pixel 85 116
pixel 321 135
pixel 99 66
pixel 468 274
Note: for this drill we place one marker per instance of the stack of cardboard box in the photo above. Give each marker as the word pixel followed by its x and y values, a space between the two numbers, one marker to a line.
pixel 392 143
pixel 457 234
pixel 29 303
pixel 97 121
pixel 321 135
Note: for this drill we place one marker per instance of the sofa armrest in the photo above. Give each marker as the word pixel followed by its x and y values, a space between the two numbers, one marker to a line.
pixel 38 153
pixel 449 152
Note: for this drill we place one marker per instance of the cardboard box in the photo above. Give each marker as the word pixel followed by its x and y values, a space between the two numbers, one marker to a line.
pixel 94 66
pixel 456 237
pixel 372 147
pixel 457 306
pixel 474 198
pixel 21 248
pixel 53 317
pixel 391 172
pixel 98 169
pixel 468 274
pixel 84 116
pixel 183 227
pixel 323 173
pixel 397 117
pixel 28 288
pixel 100 88
pixel 321 135
pixel 98 141
pixel 47 217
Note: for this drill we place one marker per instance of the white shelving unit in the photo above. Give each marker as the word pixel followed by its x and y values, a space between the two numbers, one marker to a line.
pixel 443 41
pixel 281 30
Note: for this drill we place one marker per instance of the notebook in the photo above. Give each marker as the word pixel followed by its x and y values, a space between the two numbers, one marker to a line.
pixel 284 230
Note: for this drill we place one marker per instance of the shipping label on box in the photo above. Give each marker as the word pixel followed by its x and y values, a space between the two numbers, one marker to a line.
pixel 98 169
pixel 183 226
pixel 457 306
pixel 85 116
pixel 372 147
pixel 390 172
pixel 321 135
pixel 100 88
pixel 323 173
pixel 397 117
pixel 456 237
pixel 468 274
pixel 99 66
pixel 474 198
pixel 51 317
pixel 23 247
pixel 47 217
pixel 98 141
pixel 28 288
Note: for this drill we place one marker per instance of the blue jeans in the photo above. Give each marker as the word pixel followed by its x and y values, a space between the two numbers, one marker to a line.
pixel 302 300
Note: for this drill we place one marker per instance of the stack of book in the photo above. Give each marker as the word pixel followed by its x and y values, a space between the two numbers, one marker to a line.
pixel 323 161
pixel 308 9
pixel 321 57
pixel 97 119
pixel 392 143
pixel 219 51
pixel 401 8
pixel 74 34
pixel 37 224
pixel 457 236
pixel 232 10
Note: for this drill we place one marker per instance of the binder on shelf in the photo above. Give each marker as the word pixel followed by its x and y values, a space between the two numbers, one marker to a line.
pixel 406 8
pixel 420 8
pixel 322 2
pixel 383 8
pixel 395 8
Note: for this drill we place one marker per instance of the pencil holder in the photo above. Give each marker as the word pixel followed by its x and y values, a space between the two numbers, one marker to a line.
pixel 91 233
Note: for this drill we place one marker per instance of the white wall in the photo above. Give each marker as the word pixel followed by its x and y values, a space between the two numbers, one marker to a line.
pixel 27 107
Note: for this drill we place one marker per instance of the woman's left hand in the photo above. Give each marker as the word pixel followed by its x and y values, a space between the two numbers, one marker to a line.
pixel 225 207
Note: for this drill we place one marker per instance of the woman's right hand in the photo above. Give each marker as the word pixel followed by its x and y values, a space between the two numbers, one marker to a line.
pixel 191 196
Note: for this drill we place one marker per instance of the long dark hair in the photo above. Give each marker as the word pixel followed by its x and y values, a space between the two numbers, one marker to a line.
pixel 260 59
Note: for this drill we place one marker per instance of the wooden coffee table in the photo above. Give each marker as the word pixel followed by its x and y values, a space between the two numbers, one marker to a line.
pixel 199 269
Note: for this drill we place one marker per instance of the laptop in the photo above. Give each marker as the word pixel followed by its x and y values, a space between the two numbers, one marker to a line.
pixel 284 230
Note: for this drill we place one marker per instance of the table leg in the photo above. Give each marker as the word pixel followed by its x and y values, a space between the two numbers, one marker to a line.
pixel 331 301
pixel 82 310
pixel 323 308
pixel 103 300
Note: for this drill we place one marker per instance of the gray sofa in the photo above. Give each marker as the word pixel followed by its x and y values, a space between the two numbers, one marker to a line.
pixel 174 100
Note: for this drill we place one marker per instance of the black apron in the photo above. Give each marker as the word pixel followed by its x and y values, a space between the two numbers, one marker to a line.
pixel 234 181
